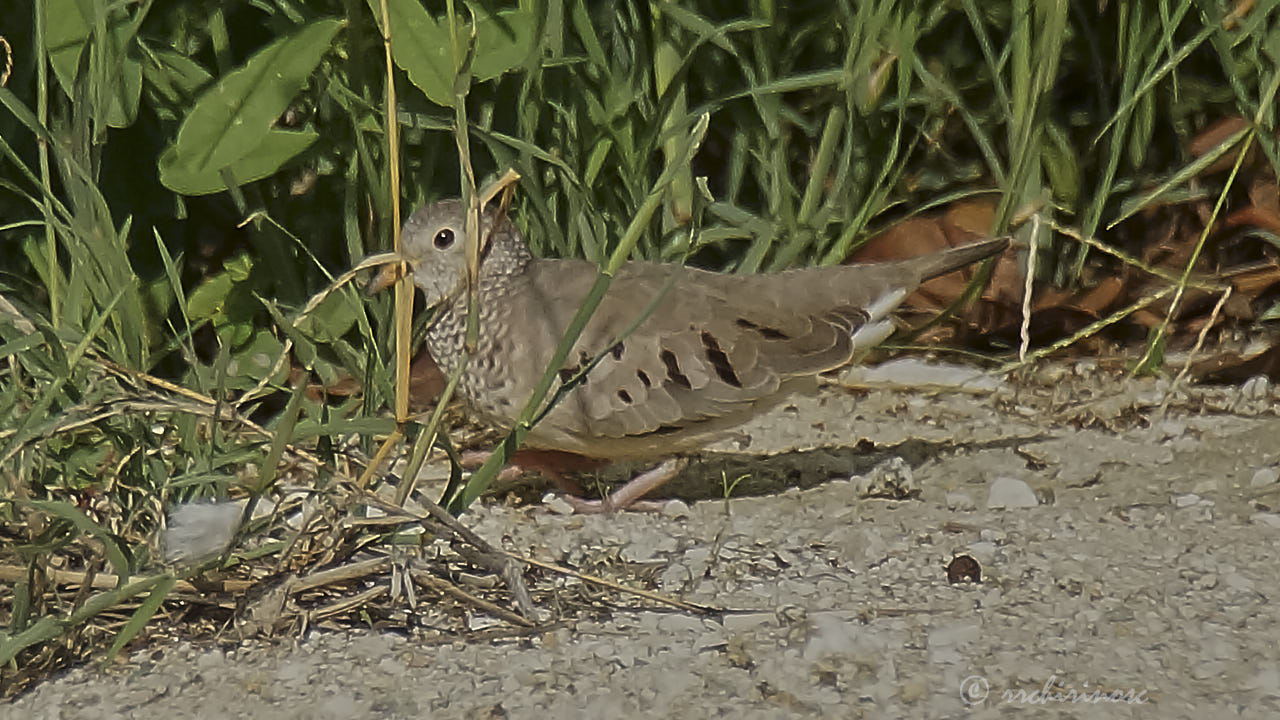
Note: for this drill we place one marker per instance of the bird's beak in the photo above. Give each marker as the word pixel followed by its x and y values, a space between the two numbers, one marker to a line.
pixel 386 277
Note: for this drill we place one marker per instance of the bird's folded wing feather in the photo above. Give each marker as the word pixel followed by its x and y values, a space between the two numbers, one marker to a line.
pixel 712 345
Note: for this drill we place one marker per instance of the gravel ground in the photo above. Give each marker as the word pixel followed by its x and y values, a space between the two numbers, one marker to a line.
pixel 1126 557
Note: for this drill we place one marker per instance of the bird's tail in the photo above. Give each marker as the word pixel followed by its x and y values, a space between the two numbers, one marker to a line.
pixel 931 266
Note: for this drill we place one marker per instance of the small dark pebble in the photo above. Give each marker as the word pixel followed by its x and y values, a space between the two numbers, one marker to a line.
pixel 964 567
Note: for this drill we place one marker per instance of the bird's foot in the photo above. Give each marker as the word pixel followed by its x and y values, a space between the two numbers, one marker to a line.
pixel 554 464
pixel 628 496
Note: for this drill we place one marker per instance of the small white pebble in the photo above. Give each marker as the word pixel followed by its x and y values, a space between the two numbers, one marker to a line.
pixel 557 504
pixel 1268 519
pixel 1257 387
pixel 1185 500
pixel 1265 476
pixel 1008 492
pixel 676 509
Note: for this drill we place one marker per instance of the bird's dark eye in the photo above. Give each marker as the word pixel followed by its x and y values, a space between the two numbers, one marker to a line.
pixel 443 239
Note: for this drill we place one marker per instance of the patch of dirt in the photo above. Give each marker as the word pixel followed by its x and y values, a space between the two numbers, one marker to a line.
pixel 1123 531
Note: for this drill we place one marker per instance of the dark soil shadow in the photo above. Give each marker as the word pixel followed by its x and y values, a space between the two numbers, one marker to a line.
pixel 713 475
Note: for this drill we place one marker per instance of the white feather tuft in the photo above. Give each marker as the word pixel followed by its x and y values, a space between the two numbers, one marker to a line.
pixel 201 529
pixel 871 335
pixel 886 304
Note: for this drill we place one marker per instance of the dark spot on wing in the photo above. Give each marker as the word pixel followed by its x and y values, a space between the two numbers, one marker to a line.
pixel 719 360
pixel 567 373
pixel 674 373
pixel 765 331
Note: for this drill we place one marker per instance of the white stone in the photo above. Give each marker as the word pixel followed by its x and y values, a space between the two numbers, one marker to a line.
pixel 1265 476
pixel 676 509
pixel 557 504
pixel 1008 492
pixel 1268 519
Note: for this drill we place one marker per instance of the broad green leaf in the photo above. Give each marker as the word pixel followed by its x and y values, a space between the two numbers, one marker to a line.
pixel 235 334
pixel 331 319
pixel 421 47
pixel 208 300
pixel 239 267
pixel 66 34
pixel 255 358
pixel 227 301
pixel 258 358
pixel 276 148
pixel 174 75
pixel 122 105
pixel 64 37
pixel 502 43
pixel 232 121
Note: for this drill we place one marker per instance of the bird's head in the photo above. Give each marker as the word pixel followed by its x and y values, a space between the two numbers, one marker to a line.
pixel 435 248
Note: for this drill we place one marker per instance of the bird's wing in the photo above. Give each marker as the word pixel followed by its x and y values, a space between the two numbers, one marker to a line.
pixel 710 345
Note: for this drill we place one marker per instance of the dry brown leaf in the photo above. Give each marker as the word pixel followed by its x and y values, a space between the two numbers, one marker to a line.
pixel 1209 137
pixel 1232 369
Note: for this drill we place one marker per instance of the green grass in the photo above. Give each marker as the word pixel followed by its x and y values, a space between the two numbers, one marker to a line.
pixel 178 180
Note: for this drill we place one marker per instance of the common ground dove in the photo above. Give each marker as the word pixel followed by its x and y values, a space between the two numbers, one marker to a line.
pixel 714 348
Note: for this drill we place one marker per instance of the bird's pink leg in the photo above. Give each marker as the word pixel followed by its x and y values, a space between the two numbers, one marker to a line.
pixel 554 464
pixel 628 496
